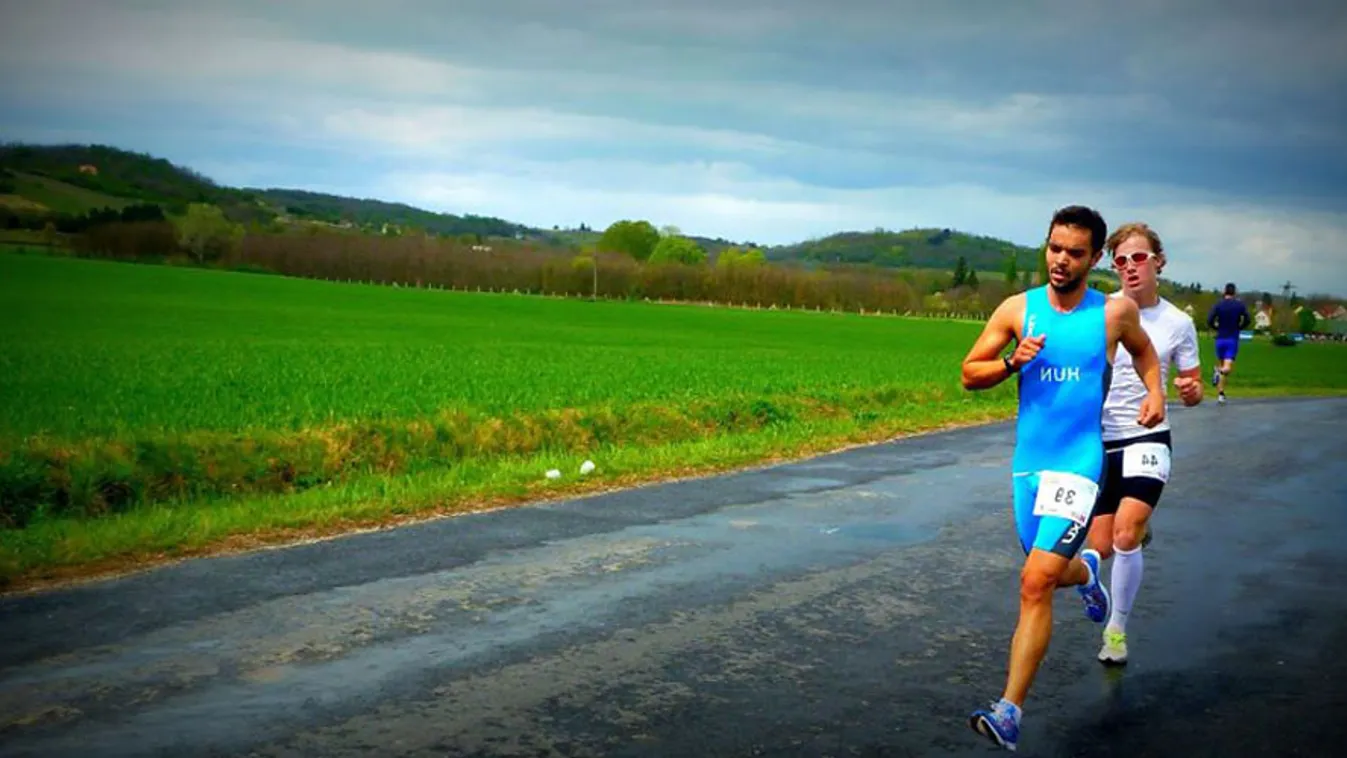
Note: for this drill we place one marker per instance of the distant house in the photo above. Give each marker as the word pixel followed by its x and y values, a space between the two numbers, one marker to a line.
pixel 1262 319
pixel 89 168
pixel 1332 320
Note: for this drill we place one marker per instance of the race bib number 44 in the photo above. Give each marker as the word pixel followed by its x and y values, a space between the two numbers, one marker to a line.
pixel 1148 459
pixel 1068 496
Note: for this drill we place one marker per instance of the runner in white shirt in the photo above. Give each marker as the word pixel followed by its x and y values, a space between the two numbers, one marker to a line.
pixel 1137 458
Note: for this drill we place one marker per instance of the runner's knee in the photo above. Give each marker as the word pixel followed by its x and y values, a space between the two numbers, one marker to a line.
pixel 1037 584
pixel 1129 526
pixel 1128 536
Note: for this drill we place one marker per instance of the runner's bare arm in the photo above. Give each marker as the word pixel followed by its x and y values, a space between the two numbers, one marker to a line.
pixel 1187 360
pixel 1144 359
pixel 983 367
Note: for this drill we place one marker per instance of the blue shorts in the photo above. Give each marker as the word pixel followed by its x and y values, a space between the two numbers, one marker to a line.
pixel 1053 534
pixel 1227 348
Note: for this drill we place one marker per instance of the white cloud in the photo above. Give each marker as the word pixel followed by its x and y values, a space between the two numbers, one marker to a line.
pixel 191 52
pixel 455 130
pixel 235 63
pixel 719 21
pixel 243 173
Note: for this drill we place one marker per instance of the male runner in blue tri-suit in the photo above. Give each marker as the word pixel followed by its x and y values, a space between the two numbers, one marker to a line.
pixel 1066 336
pixel 1228 317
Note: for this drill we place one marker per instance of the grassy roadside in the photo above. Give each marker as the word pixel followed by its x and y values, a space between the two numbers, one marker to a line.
pixel 58 550
pixel 61 549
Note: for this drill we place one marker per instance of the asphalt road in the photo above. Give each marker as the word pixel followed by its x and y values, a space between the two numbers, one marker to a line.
pixel 855 604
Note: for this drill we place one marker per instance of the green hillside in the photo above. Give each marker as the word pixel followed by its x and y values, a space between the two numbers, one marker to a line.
pixel 926 249
pixel 116 172
pixel 74 179
pixel 39 182
pixel 41 193
pixel 373 215
pixel 922 248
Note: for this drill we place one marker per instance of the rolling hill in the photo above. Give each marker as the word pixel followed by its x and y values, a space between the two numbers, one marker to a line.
pixel 921 248
pixel 42 180
pixel 374 215
pixel 43 193
pixel 110 171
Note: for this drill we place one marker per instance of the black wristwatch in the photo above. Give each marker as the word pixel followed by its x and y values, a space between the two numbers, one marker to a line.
pixel 1010 367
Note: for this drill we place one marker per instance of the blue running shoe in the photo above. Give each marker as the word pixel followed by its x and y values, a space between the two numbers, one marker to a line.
pixel 1216 376
pixel 1000 724
pixel 1093 592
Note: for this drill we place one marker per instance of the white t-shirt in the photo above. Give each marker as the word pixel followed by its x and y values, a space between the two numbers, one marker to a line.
pixel 1175 339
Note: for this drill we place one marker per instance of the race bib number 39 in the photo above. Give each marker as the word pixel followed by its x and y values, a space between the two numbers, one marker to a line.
pixel 1068 496
pixel 1148 459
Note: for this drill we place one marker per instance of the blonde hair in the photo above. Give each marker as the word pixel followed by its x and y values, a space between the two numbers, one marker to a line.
pixel 1121 234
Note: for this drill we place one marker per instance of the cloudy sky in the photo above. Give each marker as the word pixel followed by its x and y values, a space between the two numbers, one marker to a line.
pixel 1223 123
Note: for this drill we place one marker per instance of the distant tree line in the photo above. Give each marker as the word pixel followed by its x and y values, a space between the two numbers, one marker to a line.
pixel 736 277
pixel 631 259
pixel 74 223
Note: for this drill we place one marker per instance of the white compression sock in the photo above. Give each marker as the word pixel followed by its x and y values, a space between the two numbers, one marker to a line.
pixel 1126 581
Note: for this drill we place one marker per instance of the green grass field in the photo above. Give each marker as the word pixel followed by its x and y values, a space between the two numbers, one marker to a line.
pixel 154 411
pixel 95 349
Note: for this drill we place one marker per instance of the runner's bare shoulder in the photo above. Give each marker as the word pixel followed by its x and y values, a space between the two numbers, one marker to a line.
pixel 1121 310
pixel 1011 308
pixel 1011 313
pixel 1121 307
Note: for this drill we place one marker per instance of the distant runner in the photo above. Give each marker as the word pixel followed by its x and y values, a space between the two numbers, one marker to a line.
pixel 1066 336
pixel 1137 457
pixel 1228 317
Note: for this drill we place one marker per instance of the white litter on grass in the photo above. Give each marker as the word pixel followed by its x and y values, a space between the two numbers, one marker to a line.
pixel 586 467
pixel 553 474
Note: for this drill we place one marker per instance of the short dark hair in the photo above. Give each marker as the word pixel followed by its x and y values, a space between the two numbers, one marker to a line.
pixel 1082 216
pixel 1230 288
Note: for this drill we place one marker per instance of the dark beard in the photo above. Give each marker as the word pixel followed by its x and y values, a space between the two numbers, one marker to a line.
pixel 1069 287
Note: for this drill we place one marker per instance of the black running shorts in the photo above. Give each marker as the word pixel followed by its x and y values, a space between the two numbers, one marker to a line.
pixel 1136 468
